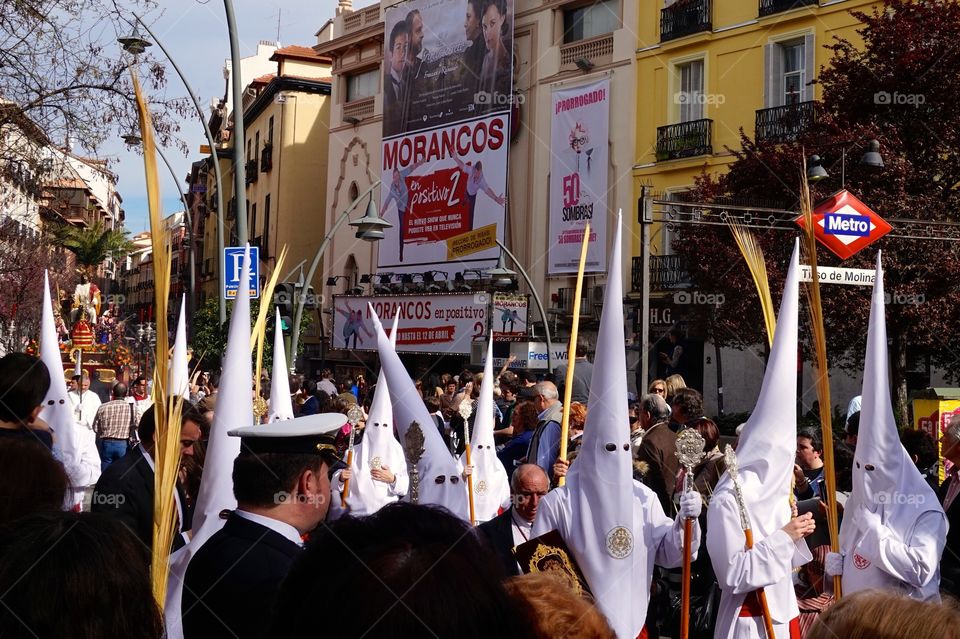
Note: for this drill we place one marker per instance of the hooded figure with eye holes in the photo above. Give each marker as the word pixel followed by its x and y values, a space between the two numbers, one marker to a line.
pixel 378 473
pixel 491 487
pixel 894 528
pixel 614 526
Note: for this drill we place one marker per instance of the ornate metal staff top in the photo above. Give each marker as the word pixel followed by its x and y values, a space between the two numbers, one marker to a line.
pixel 413 448
pixel 733 468
pixel 466 410
pixel 354 417
pixel 690 446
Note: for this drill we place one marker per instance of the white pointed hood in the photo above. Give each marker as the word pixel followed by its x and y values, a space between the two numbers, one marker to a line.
pixel 600 482
pixel 408 409
pixel 57 411
pixel 894 488
pixel 281 404
pixel 179 376
pixel 491 487
pixel 377 449
pixel 234 409
pixel 767 448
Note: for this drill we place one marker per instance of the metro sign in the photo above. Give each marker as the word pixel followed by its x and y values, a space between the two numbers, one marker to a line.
pixel 845 225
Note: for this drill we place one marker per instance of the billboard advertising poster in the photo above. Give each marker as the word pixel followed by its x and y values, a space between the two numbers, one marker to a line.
pixel 438 323
pixel 447 96
pixel 579 139
pixel 509 315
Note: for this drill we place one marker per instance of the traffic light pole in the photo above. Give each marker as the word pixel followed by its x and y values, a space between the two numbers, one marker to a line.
pixel 301 297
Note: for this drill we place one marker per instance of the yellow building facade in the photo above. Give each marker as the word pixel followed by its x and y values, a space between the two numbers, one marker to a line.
pixel 707 68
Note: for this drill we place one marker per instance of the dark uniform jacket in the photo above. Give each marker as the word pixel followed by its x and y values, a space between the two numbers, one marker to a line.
pixel 125 491
pixel 499 532
pixel 950 563
pixel 233 581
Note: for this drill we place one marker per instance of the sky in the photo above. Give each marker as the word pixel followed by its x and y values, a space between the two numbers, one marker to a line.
pixel 195 34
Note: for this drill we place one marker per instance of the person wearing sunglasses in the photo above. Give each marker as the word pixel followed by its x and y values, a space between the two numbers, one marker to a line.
pixel 658 387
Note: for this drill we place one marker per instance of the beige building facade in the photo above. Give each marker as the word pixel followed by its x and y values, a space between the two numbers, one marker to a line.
pixel 556 45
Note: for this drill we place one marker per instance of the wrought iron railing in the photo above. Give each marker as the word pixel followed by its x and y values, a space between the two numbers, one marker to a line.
pixel 667 272
pixel 685 17
pixel 684 140
pixel 769 7
pixel 785 123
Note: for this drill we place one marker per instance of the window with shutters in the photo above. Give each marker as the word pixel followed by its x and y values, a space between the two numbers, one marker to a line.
pixel 794 75
pixel 690 96
pixel 265 247
pixel 788 71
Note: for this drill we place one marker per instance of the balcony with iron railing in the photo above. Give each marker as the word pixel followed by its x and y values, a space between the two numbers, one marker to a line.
pixel 684 140
pixel 785 123
pixel 266 158
pixel 588 301
pixel 251 169
pixel 596 50
pixel 667 273
pixel 685 17
pixel 770 7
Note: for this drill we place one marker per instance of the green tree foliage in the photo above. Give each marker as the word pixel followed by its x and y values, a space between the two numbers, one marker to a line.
pixel 95 244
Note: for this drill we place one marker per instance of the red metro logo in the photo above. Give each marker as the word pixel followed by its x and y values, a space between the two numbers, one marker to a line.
pixel 845 225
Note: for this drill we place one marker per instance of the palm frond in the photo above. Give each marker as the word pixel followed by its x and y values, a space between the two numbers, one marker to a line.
pixel 753 256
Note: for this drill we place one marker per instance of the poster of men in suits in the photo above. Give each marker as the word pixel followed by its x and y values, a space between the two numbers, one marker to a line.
pixel 447 91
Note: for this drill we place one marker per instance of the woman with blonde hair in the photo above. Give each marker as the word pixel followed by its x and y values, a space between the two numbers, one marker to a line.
pixel 658 387
pixel 555 610
pixel 674 383
pixel 875 614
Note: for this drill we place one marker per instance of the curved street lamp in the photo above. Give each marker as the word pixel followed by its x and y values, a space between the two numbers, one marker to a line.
pixel 135 44
pixel 369 227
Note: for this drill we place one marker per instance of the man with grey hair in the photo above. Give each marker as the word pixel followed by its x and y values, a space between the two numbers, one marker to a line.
pixel 545 443
pixel 582 372
pixel 658 449
pixel 512 527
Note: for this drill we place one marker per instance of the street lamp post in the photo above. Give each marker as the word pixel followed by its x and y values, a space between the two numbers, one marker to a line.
pixel 502 275
pixel 239 169
pixel 133 44
pixel 369 227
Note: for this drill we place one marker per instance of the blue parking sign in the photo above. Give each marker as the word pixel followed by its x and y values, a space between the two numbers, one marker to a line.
pixel 233 263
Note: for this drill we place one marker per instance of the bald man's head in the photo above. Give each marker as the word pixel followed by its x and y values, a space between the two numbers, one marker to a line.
pixel 529 484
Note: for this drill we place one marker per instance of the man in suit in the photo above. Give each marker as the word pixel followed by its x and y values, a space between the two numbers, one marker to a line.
pixel 395 80
pixel 949 491
pixel 281 480
pixel 512 527
pixel 125 489
pixel 658 449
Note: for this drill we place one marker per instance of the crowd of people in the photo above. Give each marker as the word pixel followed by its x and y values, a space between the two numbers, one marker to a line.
pixel 406 509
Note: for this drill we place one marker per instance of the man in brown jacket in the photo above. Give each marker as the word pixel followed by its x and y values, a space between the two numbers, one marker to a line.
pixel 658 449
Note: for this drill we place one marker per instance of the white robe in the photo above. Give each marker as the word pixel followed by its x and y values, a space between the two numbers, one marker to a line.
pixel 880 559
pixel 367 495
pixel 657 539
pixel 85 407
pixel 85 471
pixel 768 565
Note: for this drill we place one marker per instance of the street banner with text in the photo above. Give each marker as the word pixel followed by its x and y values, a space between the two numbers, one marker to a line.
pixel 436 323
pixel 579 138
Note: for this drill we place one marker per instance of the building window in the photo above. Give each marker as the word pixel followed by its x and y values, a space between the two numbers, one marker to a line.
pixel 589 21
pixel 690 96
pixel 362 85
pixel 266 225
pixel 256 146
pixel 253 221
pixel 788 68
pixel 270 131
pixel 793 72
